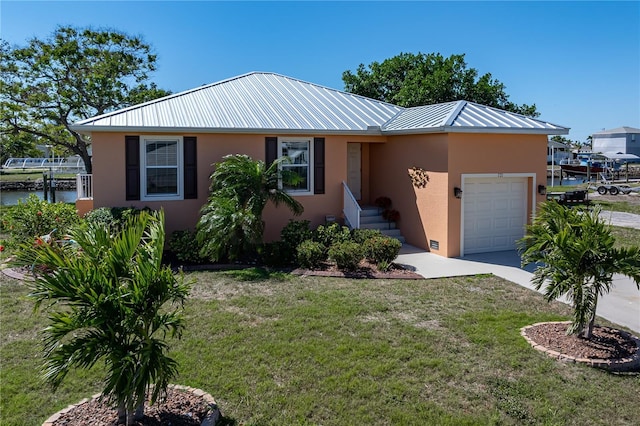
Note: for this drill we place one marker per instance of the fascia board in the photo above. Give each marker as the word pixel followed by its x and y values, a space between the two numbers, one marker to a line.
pixel 448 129
pixel 129 129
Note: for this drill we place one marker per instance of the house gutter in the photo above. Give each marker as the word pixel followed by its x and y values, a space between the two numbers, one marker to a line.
pixel 492 130
pixel 370 131
pixel 83 129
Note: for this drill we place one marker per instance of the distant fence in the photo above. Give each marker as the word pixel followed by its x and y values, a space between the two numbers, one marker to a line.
pixel 61 164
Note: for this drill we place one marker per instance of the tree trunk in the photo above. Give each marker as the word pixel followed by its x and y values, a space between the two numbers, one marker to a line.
pixel 587 331
pixel 88 167
pixel 128 417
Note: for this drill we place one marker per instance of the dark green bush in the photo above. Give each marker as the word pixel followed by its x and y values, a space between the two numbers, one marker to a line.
pixel 361 235
pixel 310 254
pixel 113 218
pixel 185 247
pixel 382 249
pixel 272 254
pixel 347 255
pixel 35 217
pixel 294 233
pixel 331 234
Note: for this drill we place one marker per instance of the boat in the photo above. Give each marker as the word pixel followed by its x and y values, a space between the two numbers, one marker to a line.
pixel 583 169
pixel 590 164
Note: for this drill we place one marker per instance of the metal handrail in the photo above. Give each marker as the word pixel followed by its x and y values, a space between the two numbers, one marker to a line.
pixel 84 186
pixel 351 207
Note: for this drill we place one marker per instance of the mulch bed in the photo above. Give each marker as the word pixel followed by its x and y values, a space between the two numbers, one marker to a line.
pixel 180 408
pixel 364 270
pixel 607 344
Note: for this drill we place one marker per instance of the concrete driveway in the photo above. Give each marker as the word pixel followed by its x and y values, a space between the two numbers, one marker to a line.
pixel 620 306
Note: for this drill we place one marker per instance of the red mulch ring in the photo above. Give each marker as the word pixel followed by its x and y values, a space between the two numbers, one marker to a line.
pixel 180 408
pixel 608 347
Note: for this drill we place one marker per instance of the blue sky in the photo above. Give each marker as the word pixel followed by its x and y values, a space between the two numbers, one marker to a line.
pixel 579 62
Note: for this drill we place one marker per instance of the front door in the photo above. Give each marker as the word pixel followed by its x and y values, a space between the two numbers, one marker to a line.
pixel 354 169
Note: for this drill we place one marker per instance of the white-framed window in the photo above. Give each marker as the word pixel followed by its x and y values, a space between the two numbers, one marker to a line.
pixel 299 151
pixel 162 167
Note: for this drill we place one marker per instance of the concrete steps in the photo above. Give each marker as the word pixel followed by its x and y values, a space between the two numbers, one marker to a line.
pixel 371 218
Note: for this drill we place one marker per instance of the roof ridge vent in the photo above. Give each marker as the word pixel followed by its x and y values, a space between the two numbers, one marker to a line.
pixel 454 114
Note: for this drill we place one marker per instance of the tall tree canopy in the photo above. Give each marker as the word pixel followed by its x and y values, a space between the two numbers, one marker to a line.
pixel 75 74
pixel 413 80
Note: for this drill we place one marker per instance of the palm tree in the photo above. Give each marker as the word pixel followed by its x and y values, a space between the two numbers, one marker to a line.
pixel 117 303
pixel 231 222
pixel 576 257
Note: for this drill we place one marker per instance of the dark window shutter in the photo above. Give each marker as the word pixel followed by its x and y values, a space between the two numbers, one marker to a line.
pixel 190 168
pixel 318 166
pixel 132 164
pixel 271 150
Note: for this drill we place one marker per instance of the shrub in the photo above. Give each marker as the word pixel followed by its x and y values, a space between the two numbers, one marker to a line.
pixel 331 234
pixel 310 254
pixel 382 249
pixel 294 233
pixel 347 255
pixel 391 215
pixel 34 217
pixel 272 254
pixel 384 266
pixel 185 247
pixel 383 202
pixel 361 235
pixel 112 218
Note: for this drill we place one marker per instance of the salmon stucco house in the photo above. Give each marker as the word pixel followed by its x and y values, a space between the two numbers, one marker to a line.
pixel 465 178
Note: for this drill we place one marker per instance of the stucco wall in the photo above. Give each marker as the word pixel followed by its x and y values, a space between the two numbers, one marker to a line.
pixel 109 179
pixel 494 154
pixel 433 213
pixel 423 211
pixel 429 213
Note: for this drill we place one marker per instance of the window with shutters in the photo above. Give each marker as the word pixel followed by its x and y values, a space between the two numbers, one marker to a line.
pixel 161 167
pixel 298 151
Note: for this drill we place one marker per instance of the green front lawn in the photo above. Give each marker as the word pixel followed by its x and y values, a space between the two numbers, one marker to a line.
pixel 626 237
pixel 29 175
pixel 277 349
pixel 619 206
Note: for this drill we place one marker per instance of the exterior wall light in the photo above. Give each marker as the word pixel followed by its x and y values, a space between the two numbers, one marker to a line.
pixel 542 190
pixel 457 192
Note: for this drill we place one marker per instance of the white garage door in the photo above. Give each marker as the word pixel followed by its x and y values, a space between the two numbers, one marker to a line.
pixel 495 213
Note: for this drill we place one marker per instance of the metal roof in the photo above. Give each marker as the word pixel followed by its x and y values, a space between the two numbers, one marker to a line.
pixel 253 102
pixel 465 116
pixel 261 102
pixel 623 129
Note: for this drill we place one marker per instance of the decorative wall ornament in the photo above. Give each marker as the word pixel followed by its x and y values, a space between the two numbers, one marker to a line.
pixel 419 177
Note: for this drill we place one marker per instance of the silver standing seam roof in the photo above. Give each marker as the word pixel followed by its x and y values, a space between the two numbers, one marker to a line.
pixel 260 102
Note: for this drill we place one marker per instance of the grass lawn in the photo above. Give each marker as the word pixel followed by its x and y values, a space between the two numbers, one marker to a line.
pixel 27 175
pixel 626 236
pixel 274 349
pixel 619 206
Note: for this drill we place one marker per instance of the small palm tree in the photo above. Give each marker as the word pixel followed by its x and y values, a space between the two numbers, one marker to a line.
pixel 231 222
pixel 117 303
pixel 576 257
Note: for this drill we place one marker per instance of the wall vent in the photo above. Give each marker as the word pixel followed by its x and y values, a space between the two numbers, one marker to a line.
pixel 434 245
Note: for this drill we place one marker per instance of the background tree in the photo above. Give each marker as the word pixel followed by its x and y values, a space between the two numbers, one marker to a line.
pixel 230 224
pixel 571 143
pixel 413 80
pixel 576 257
pixel 18 145
pixel 116 303
pixel 75 74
